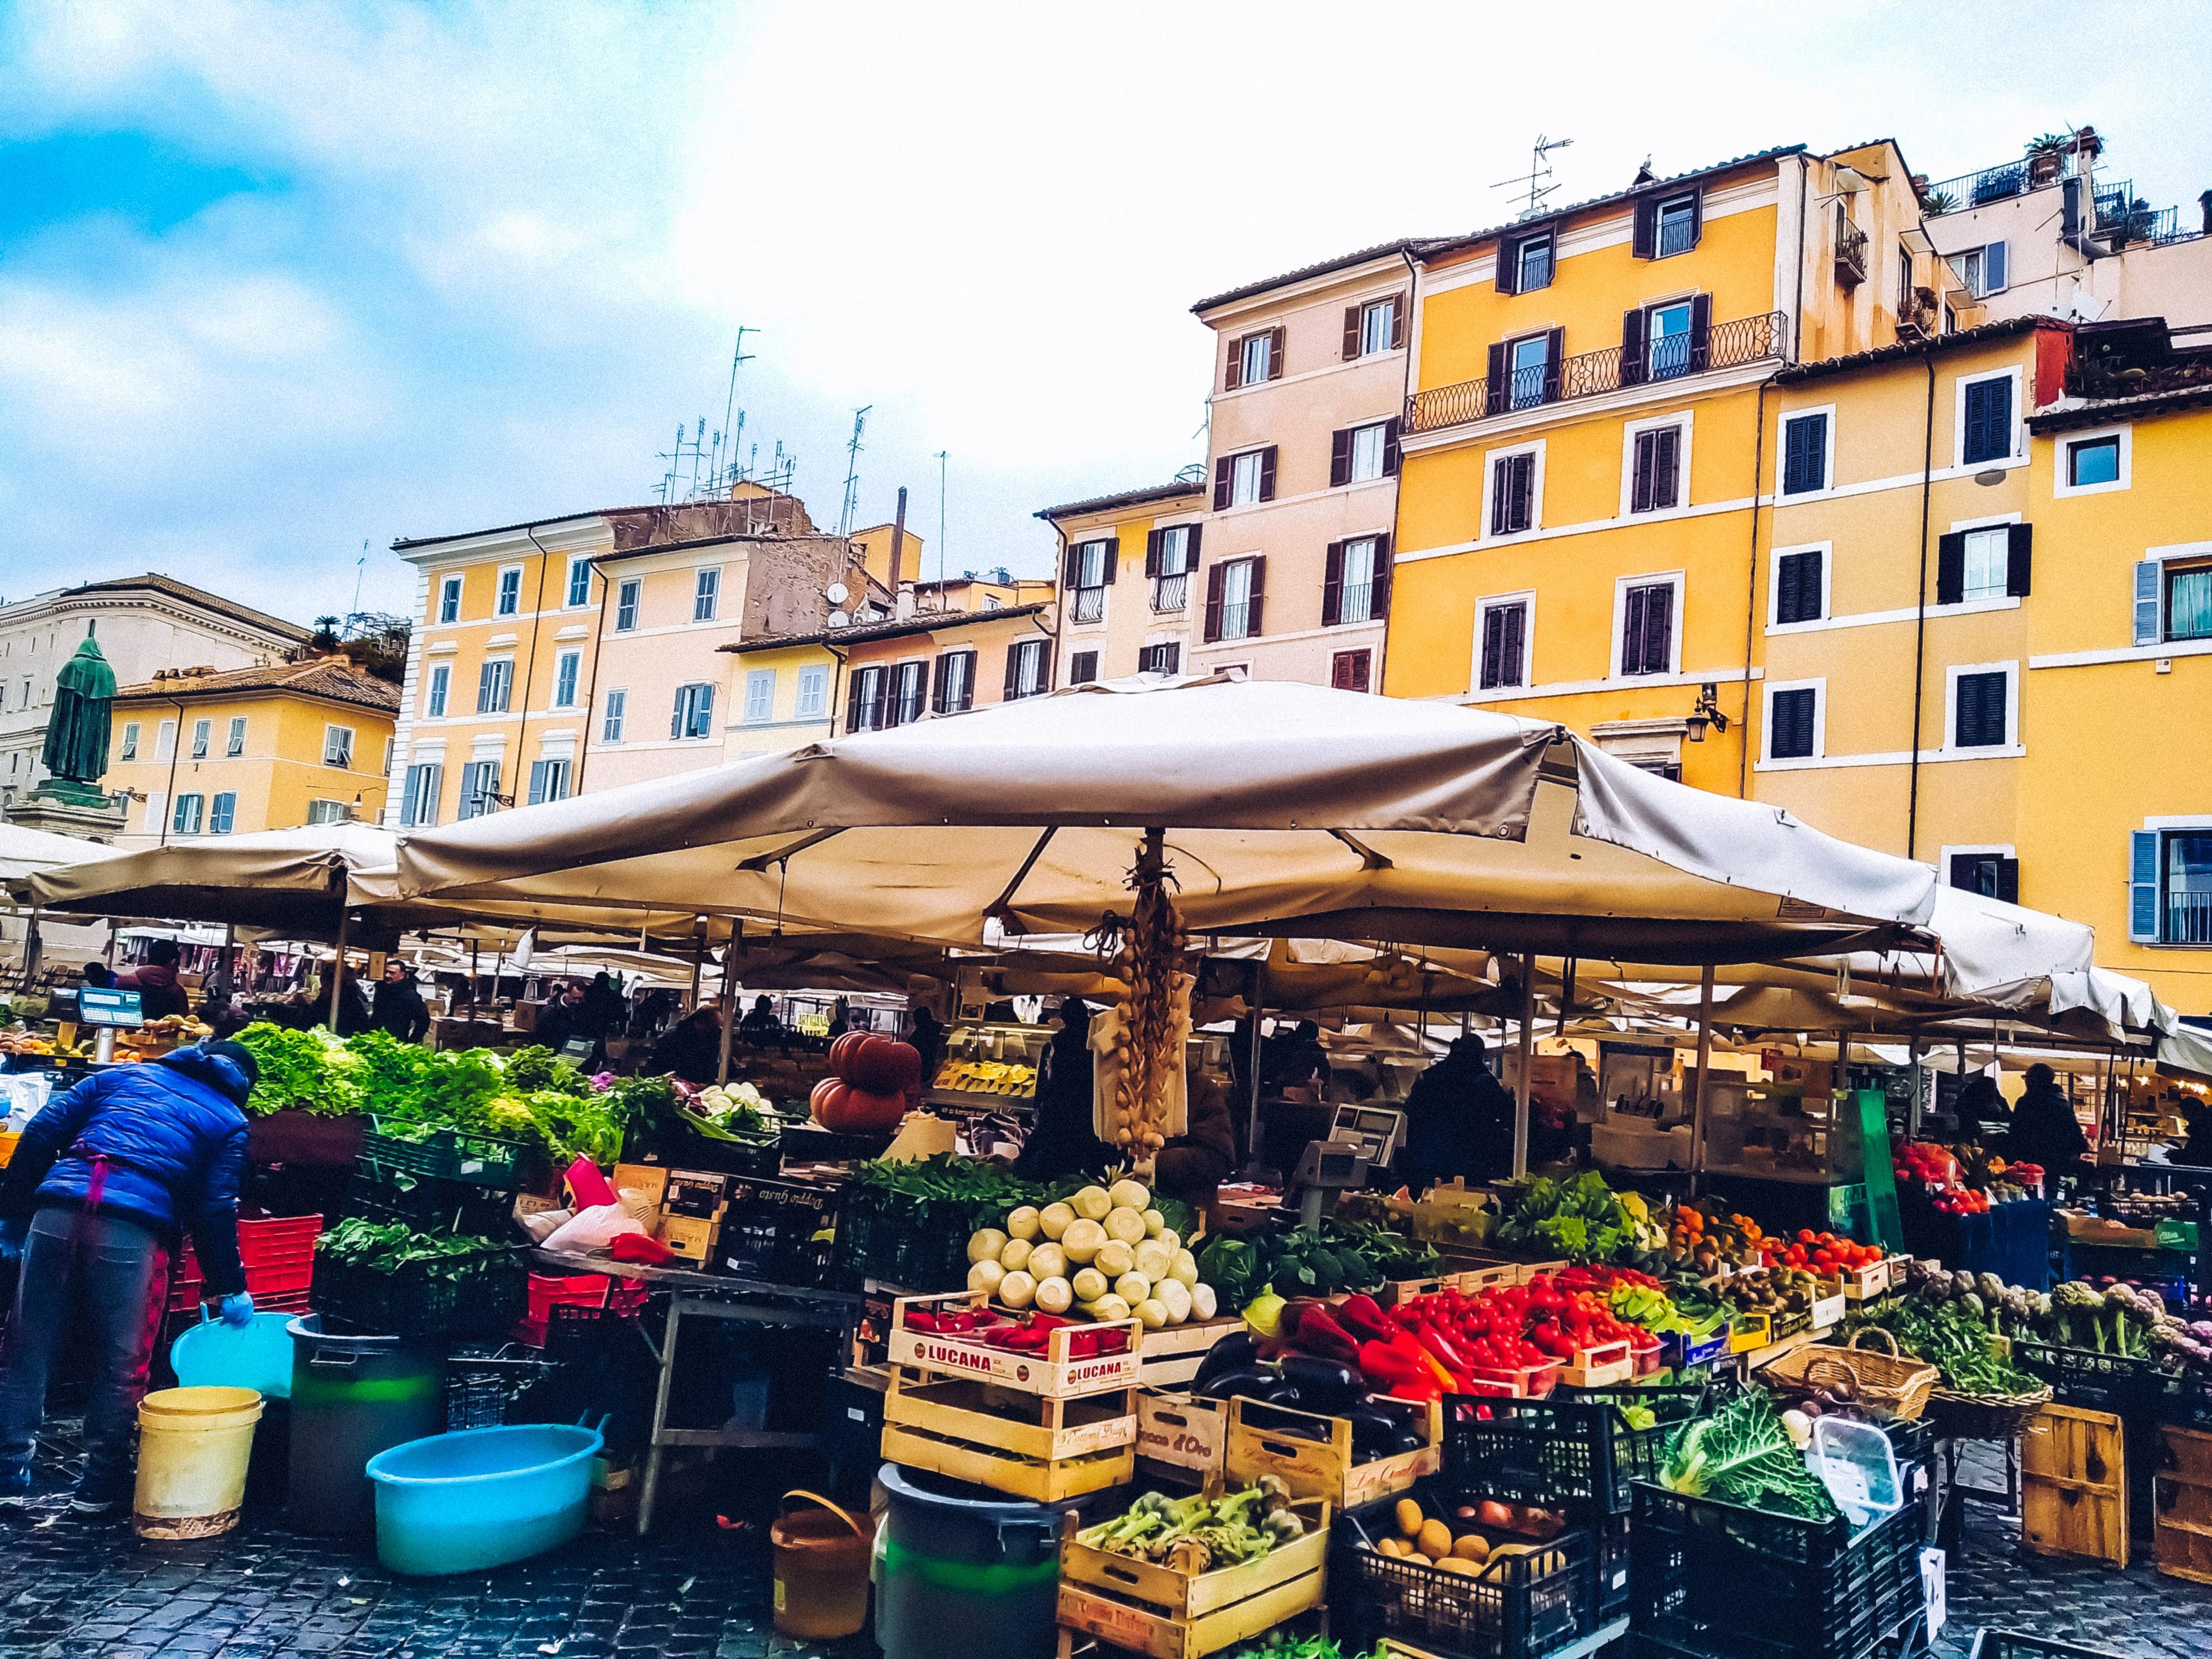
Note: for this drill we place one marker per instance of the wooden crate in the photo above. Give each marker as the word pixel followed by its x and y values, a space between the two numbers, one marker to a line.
pixel 1323 1467
pixel 2181 1505
pixel 1749 1331
pixel 1863 1284
pixel 1600 1366
pixel 2073 1497
pixel 1055 1371
pixel 1041 1448
pixel 1151 1609
pixel 1397 1292
pixel 1479 1270
pixel 1830 1306
pixel 1172 1354
pixel 1185 1433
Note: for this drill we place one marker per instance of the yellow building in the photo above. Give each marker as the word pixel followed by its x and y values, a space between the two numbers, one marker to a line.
pixel 1129 572
pixel 207 753
pixel 1590 432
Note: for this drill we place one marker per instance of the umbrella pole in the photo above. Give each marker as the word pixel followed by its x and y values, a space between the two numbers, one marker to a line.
pixel 475 967
pixel 337 973
pixel 729 1003
pixel 1705 1074
pixel 1527 1063
pixel 698 964
pixel 1258 1011
pixel 30 946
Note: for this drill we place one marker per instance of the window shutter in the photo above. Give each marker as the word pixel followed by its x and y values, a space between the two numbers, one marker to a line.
pixel 1516 645
pixel 1267 473
pixel 1275 353
pixel 937 677
pixel 1398 321
pixel 1667 467
pixel 1380 604
pixel 1495 388
pixel 1493 634
pixel 1351 332
pixel 1190 550
pixel 1071 576
pixel 1632 629
pixel 483 688
pixel 1553 343
pixel 1252 610
pixel 1640 485
pixel 1701 333
pixel 1658 631
pixel 2009 880
pixel 1642 241
pixel 1152 539
pixel 2142 885
pixel 1332 585
pixel 1221 484
pixel 1632 347
pixel 2020 539
pixel 1339 457
pixel 1508 255
pixel 1697 216
pixel 537 783
pixel 1993 267
pixel 1214 578
pixel 1390 447
pixel 1229 380
pixel 852 703
pixel 1951 567
pixel 1013 669
pixel 1113 558
pixel 2149 576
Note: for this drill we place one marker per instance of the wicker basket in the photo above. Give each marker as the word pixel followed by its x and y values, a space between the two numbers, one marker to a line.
pixel 1984 1416
pixel 1897 1384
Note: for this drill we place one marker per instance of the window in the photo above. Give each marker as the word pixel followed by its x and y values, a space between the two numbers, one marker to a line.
pixel 1234 598
pixel 391 749
pixel 1532 262
pixel 1254 358
pixel 1378 325
pixel 185 815
pixel 164 740
pixel 1083 668
pixel 1982 269
pixel 130 740
pixel 479 790
pixel 706 592
pixel 1361 454
pixel 1992 874
pixel 694 713
pixel 222 812
pixel 157 810
pixel 567 668
pixel 867 698
pixel 1647 628
pixel 494 683
pixel 510 590
pixel 1656 470
pixel 1984 574
pixel 236 745
pixel 1243 480
pixel 760 696
pixel 1091 567
pixel 2170 883
pixel 1804 453
pixel 418 798
pixel 579 582
pixel 2187 592
pixel 1677 225
pixel 1981 716
pixel 1986 420
pixel 1793 722
pixel 549 781
pixel 1990 562
pixel 1513 493
pixel 1164 659
pixel 626 602
pixel 813 692
pixel 337 746
pixel 1355 581
pixel 1028 669
pixel 1348 670
pixel 1504 646
pixel 449 599
pixel 2094 463
pixel 1170 554
pixel 441 679
pixel 909 692
pixel 1801 587
pixel 203 735
pixel 1669 339
pixel 1527 366
pixel 610 724
pixel 953 688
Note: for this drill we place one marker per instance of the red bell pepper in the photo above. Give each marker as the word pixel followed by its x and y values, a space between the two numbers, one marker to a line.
pixel 1360 1315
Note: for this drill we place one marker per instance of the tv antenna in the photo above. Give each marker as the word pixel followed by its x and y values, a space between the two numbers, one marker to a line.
pixel 853 447
pixel 1540 169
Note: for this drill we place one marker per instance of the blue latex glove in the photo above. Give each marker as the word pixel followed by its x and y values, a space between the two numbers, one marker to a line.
pixel 12 1235
pixel 238 1309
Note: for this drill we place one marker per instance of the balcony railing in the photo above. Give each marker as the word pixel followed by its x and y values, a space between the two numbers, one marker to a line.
pixel 1170 594
pixel 1089 605
pixel 2000 183
pixel 1725 345
pixel 1916 313
pixel 1851 250
pixel 1355 602
pixel 2188 918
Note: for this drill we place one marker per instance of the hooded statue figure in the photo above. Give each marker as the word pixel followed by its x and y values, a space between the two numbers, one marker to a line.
pixel 76 735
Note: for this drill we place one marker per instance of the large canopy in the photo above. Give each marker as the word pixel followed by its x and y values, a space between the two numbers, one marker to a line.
pixel 1286 808
pixel 24 852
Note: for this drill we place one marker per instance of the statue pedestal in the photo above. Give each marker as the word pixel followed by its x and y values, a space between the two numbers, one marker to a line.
pixel 61 806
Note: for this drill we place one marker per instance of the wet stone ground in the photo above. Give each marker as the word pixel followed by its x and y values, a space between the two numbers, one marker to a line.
pixel 72 1586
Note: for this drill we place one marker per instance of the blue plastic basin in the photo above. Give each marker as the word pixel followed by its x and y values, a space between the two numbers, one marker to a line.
pixel 456 1503
pixel 257 1356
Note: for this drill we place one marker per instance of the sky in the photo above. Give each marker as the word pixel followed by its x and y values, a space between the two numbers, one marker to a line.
pixel 281 283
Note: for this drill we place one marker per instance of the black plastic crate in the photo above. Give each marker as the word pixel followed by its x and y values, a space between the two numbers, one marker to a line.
pixel 480 1388
pixel 487 1296
pixel 586 1337
pixel 428 1203
pixel 2006 1644
pixel 1732 1583
pixel 449 1154
pixel 781 1232
pixel 898 1239
pixel 1522 1609
pixel 1572 1449
pixel 2098 1382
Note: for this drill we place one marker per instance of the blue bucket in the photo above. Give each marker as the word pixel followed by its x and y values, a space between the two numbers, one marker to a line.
pixel 460 1503
pixel 257 1356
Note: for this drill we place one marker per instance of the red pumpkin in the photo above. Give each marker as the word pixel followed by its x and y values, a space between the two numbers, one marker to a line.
pixel 843 1046
pixel 838 1106
pixel 880 1065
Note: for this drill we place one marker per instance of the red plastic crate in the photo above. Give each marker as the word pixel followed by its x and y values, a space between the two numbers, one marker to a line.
pixel 278 1255
pixel 548 1291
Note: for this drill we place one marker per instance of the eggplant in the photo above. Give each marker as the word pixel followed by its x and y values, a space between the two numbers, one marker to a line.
pixel 1325 1386
pixel 1409 1440
pixel 1250 1381
pixel 1286 1394
pixel 1374 1434
pixel 1238 1350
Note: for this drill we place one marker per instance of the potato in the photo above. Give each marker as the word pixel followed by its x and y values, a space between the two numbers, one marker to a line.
pixel 1128 1226
pixel 1410 1518
pixel 1046 1261
pixel 1132 1288
pixel 1391 1546
pixel 1083 1240
pixel 1091 1203
pixel 1022 1222
pixel 1018 1289
pixel 1089 1284
pixel 1184 1265
pixel 1128 1194
pixel 1054 1294
pixel 1155 1223
pixel 1055 1219
pixel 1436 1540
pixel 986 1245
pixel 1416 1558
pixel 1115 1258
pixel 1016 1256
pixel 985 1276
pixel 1472 1548
pixel 1457 1563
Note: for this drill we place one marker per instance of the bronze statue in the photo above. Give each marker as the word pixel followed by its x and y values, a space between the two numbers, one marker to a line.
pixel 76 735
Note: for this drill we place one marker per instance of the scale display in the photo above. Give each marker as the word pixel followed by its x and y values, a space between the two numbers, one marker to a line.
pixel 1377 1131
pixel 100 1005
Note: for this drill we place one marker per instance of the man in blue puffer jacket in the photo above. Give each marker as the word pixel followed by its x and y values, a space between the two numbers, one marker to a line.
pixel 90 1205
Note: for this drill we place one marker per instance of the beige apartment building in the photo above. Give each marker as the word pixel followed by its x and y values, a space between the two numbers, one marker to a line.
pixel 1125 569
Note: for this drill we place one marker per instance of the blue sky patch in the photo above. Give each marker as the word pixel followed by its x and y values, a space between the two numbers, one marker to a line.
pixel 133 176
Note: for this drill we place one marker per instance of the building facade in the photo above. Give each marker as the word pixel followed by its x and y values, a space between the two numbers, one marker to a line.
pixel 206 753
pixel 1131 599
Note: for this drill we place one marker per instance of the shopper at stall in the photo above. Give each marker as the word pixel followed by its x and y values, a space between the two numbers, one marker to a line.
pixel 1196 1162
pixel 352 1014
pixel 841 1019
pixel 1061 1142
pixel 154 980
pixel 1980 1104
pixel 2045 1130
pixel 90 1206
pixel 760 1024
pixel 602 1010
pixel 1301 1061
pixel 399 1009
pixel 693 1051
pixel 562 1018
pixel 99 974
pixel 928 1039
pixel 1459 1121
pixel 2197 1118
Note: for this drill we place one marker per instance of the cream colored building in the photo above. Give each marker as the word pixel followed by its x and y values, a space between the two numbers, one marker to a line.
pixel 1126 565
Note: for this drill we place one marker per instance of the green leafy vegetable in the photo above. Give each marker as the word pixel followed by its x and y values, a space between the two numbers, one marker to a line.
pixel 388 1246
pixel 1742 1454
pixel 308 1071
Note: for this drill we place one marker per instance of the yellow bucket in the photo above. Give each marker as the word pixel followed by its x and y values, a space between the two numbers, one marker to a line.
pixel 193 1448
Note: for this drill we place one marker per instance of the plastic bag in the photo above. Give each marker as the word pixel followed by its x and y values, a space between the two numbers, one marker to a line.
pixel 592 1229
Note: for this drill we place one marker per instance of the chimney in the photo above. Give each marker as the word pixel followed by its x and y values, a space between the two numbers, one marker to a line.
pixel 898 540
pixel 2204 211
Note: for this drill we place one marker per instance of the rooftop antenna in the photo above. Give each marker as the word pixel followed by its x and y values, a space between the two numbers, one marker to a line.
pixel 941 526
pixel 1540 169
pixel 730 403
pixel 853 447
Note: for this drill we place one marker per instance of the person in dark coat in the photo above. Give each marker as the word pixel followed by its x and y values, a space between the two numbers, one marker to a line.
pixel 928 1039
pixel 563 1018
pixel 602 1012
pixel 1459 1121
pixel 1061 1142
pixel 399 1009
pixel 2197 1118
pixel 693 1051
pixel 2045 1131
pixel 1302 1059
pixel 760 1024
pixel 91 1204
pixel 154 980
pixel 1980 1103
pixel 1196 1162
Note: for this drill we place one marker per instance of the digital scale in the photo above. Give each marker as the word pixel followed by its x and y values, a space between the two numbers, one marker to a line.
pixel 1378 1131
pixel 109 1009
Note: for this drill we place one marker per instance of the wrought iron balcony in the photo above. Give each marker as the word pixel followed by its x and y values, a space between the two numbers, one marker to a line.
pixel 1851 250
pixel 1356 603
pixel 1089 605
pixel 1918 315
pixel 1170 594
pixel 1725 345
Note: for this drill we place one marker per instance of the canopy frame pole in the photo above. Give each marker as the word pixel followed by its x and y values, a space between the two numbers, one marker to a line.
pixel 337 972
pixel 729 1002
pixel 1259 1013
pixel 1704 1073
pixel 30 946
pixel 1527 1052
pixel 475 970
pixel 698 963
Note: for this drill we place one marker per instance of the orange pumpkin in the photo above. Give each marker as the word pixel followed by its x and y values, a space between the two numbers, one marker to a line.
pixel 838 1106
pixel 880 1065
pixel 844 1045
